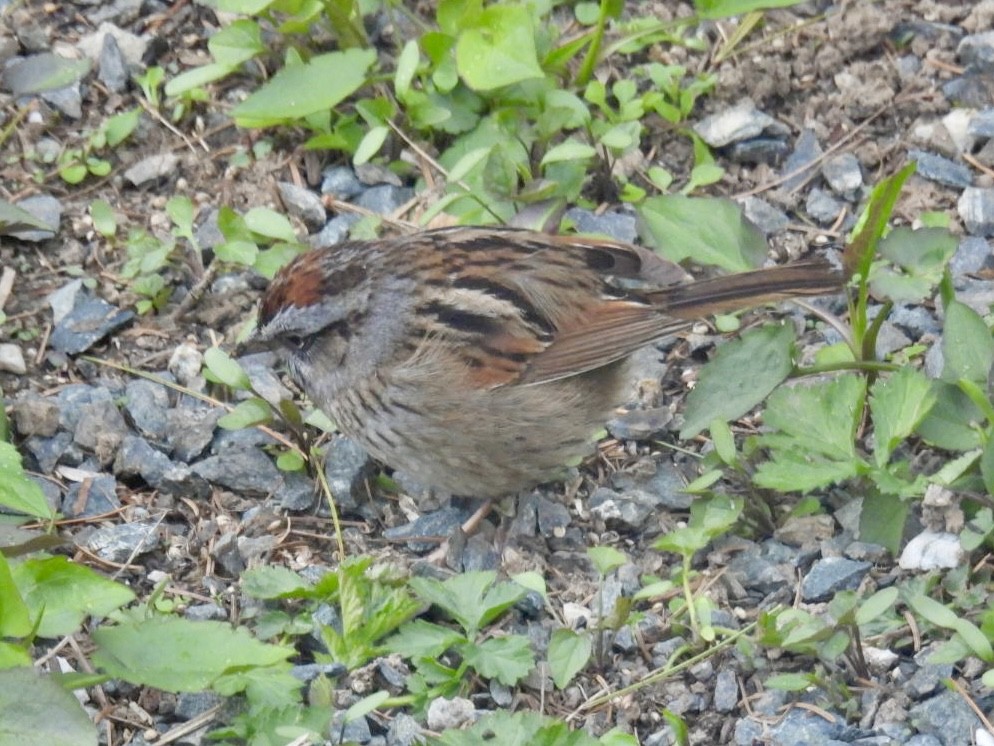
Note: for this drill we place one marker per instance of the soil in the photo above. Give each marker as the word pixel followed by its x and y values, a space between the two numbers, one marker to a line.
pixel 835 69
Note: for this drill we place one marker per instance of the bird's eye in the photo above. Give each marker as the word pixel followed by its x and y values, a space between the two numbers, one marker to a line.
pixel 299 342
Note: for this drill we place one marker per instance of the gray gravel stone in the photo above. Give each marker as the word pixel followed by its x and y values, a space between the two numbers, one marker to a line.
pixel 976 208
pixel 726 691
pixel 205 613
pixel 977 50
pixel 822 206
pixel 341 183
pixel 45 208
pixel 768 150
pixel 334 231
pixel 384 199
pixel 665 483
pixel 630 508
pixel 947 717
pixel 972 255
pixel 124 541
pixel 47 452
pixel 63 300
pixel 190 431
pixel 843 174
pixel 440 523
pixel 765 216
pixel 191 704
pixel 113 69
pixel 347 466
pixel 982 124
pixel 146 405
pixel 12 359
pixel 352 732
pixel 100 429
pixel 640 424
pixel 296 492
pixel 152 168
pixel 941 170
pixel 620 226
pixel 928 678
pixel 94 496
pixel 552 516
pixel 806 152
pixel 404 731
pixel 90 320
pixel 310 671
pixel 249 472
pixel 35 415
pixel 444 714
pixel 137 457
pixel 734 124
pixel 302 203
pixel 833 574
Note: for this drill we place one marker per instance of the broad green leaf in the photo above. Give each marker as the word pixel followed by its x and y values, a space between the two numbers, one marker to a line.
pixel 568 150
pixel 39 712
pixel 179 655
pixel 370 145
pixel 499 49
pixel 506 659
pixel 742 374
pixel 920 257
pixel 64 594
pixel 948 424
pixel 705 230
pixel 269 223
pixel 568 654
pixel 421 639
pixel 17 492
pixel 987 466
pixel 898 405
pixel 789 682
pixel 197 78
pixel 13 218
pixel 15 620
pixel 226 370
pixel 251 412
pixel 366 705
pixel 967 345
pixel 292 93
pixel 407 66
pixel 790 471
pixel 821 418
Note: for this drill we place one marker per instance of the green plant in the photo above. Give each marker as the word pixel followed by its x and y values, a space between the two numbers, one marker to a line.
pixel 442 656
pixel 75 164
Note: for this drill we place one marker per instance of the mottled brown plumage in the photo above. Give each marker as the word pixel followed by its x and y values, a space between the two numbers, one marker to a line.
pixel 482 360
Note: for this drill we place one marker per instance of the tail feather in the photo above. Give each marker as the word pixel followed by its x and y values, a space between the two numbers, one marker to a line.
pixel 735 292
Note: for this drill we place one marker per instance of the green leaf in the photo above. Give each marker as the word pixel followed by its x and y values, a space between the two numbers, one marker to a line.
pixel 788 682
pixel 472 598
pixel 421 639
pixel 39 712
pixel 17 492
pixel 43 72
pixel 370 145
pixel 272 581
pixel 63 594
pixel 251 412
pixel 226 370
pixel 407 67
pixel 713 9
pixel 705 230
pixel 967 345
pixel 198 77
pixel 120 126
pixel 568 654
pixel 506 659
pixel 820 418
pixel 13 218
pixel 292 94
pixel 271 224
pixel 15 619
pixel 882 519
pixel 499 50
pixel 898 405
pixel 104 219
pixel 741 375
pixel 365 706
pixel 606 559
pixel 179 655
pixel 568 150
pixel 235 43
pixel 948 423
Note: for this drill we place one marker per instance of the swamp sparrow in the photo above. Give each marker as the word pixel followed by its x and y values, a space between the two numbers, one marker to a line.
pixel 482 360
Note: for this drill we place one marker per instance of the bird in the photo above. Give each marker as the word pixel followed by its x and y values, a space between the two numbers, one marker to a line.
pixel 483 360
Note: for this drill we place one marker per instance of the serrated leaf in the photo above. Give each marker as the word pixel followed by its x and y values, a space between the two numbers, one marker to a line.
pixel 568 654
pixel 421 639
pixel 272 581
pixel 742 374
pixel 948 424
pixel 506 659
